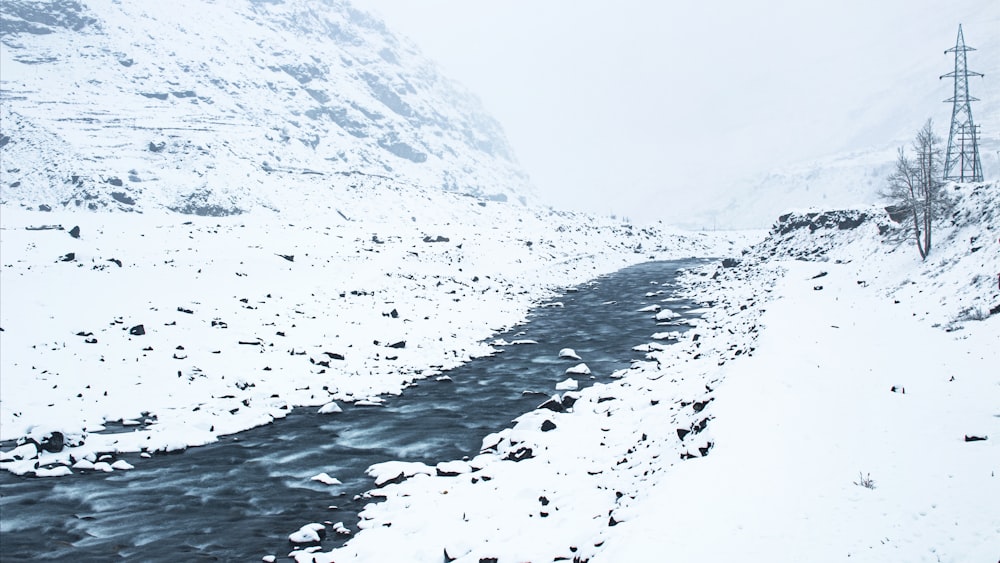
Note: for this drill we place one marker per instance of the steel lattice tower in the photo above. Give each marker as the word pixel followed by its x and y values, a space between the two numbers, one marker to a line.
pixel 962 160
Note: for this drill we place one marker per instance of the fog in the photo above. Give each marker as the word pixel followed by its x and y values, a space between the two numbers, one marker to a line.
pixel 644 109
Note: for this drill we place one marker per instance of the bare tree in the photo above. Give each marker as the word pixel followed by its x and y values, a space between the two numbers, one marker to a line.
pixel 915 188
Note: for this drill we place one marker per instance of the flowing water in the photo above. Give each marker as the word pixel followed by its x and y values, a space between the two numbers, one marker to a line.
pixel 238 499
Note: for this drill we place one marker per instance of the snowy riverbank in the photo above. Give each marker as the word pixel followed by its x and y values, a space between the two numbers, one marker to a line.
pixel 155 332
pixel 832 359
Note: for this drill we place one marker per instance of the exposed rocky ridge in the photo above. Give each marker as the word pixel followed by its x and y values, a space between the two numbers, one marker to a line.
pixel 215 109
pixel 970 234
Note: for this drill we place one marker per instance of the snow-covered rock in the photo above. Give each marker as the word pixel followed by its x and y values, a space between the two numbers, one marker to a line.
pixel 568 384
pixel 326 479
pixel 666 315
pixel 569 354
pixel 307 535
pixel 330 408
pixel 578 369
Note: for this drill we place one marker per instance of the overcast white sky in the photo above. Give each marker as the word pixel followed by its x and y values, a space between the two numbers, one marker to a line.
pixel 623 107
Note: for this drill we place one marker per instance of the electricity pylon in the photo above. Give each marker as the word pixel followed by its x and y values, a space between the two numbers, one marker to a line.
pixel 962 160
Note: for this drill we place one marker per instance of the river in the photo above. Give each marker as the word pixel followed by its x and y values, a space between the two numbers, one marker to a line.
pixel 239 498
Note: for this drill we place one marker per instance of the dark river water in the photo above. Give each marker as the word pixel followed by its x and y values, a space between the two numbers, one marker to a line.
pixel 238 499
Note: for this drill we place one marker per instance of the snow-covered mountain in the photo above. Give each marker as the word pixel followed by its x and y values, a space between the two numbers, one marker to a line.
pixel 218 108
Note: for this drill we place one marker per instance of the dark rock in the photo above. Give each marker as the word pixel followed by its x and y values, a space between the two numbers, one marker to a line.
pixel 707 448
pixel 682 432
pixel 116 182
pixel 68 257
pixel 896 389
pixel 698 406
pixel 137 330
pixel 115 261
pixel 819 275
pixel 568 400
pixel 400 344
pixel 289 257
pixel 817 288
pixel 334 355
pixel 969 438
pixel 53 443
pixel 90 341
pixel 439 238
pixel 488 560
pixel 183 310
pixel 697 428
pixel 44 207
pixel 730 263
pixel 521 454
pixel 122 197
pixel 543 500
pixel 75 232
pixel 548 425
pixel 157 147
pixel 553 404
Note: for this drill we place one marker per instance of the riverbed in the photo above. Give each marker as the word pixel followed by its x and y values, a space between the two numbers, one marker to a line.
pixel 239 498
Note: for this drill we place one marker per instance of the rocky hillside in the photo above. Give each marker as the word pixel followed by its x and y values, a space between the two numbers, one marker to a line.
pixel 218 108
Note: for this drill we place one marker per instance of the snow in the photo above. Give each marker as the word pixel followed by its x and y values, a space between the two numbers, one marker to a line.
pixel 751 436
pixel 578 369
pixel 203 288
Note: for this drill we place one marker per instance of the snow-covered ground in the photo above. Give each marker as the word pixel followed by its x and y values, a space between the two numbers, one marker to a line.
pixel 155 332
pixel 829 409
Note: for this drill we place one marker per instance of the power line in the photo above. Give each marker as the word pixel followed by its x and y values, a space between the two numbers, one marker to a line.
pixel 962 160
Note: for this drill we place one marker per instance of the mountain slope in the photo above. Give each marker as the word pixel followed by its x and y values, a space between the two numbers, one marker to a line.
pixel 219 108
